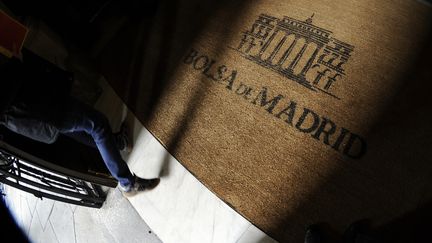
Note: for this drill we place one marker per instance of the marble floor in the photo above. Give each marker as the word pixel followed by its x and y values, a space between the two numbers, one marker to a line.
pixel 48 221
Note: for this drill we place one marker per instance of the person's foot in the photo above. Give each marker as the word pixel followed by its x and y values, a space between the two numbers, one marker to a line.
pixel 145 184
pixel 140 184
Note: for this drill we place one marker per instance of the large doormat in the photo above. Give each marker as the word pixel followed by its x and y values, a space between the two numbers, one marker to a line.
pixel 292 112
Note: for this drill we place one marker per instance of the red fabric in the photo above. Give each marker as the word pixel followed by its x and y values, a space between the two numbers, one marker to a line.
pixel 12 34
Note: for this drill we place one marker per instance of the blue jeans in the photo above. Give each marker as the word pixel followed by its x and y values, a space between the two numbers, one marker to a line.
pixel 72 120
pixel 78 117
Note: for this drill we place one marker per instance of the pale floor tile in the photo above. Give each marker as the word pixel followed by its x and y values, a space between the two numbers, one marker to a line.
pixel 229 226
pixel 156 219
pixel 32 202
pixel 36 231
pixel 73 207
pixel 123 222
pixel 255 235
pixel 48 236
pixel 61 220
pixel 25 215
pixel 217 224
pixel 44 209
pixel 22 193
pixel 88 230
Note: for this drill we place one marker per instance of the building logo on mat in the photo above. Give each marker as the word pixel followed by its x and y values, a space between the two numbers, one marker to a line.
pixel 301 52
pixel 297 50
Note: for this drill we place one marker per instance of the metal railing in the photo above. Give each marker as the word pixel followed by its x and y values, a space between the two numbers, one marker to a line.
pixel 47 183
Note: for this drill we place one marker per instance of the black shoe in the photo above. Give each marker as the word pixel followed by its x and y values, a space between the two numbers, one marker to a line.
pixel 139 185
pixel 145 184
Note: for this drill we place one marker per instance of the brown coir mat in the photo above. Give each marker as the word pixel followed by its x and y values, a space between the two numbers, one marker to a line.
pixel 292 112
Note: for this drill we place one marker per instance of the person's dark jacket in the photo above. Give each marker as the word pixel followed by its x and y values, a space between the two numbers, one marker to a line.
pixel 12 80
pixel 33 92
pixel 33 82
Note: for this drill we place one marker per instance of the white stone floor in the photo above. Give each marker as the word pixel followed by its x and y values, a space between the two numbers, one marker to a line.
pixel 48 221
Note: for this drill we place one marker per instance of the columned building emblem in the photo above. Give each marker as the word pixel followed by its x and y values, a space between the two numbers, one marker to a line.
pixel 297 50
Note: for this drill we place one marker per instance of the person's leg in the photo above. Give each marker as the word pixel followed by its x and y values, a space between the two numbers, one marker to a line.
pixel 121 139
pixel 78 117
pixel 82 138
